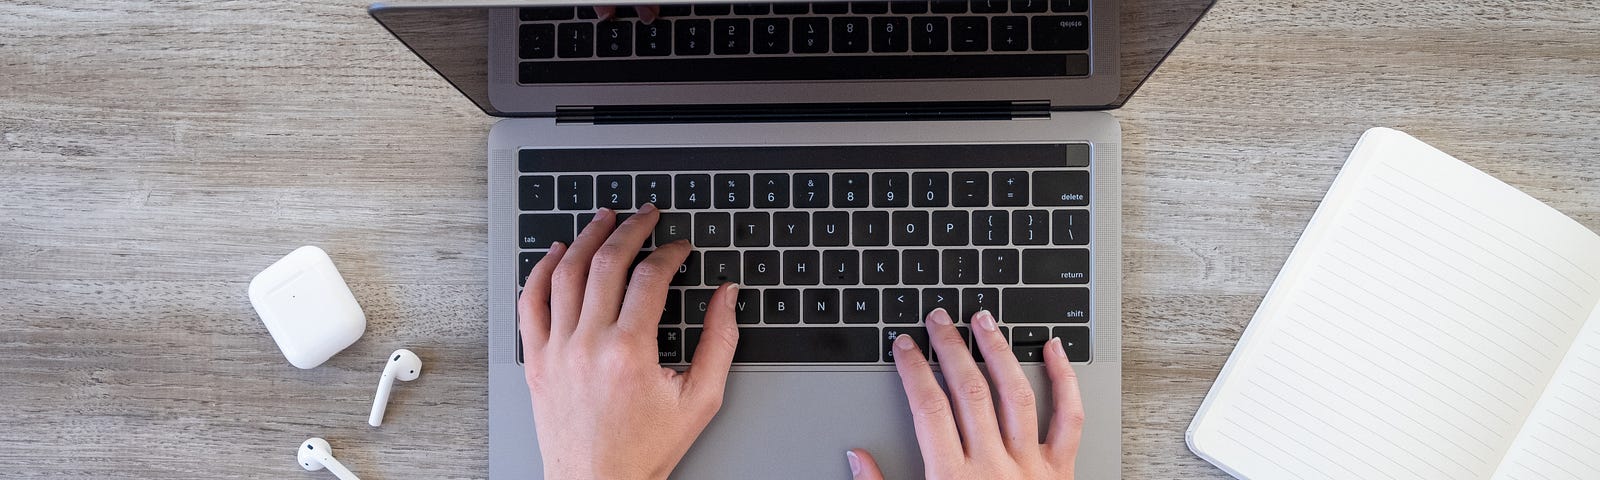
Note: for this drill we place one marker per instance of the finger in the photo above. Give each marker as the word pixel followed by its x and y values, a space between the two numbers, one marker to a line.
pixel 969 391
pixel 608 272
pixel 708 370
pixel 937 436
pixel 533 307
pixel 647 290
pixel 862 465
pixel 1019 415
pixel 649 13
pixel 566 300
pixel 1066 426
pixel 605 12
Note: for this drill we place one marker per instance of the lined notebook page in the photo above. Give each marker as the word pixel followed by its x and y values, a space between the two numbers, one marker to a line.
pixel 1561 439
pixel 1412 330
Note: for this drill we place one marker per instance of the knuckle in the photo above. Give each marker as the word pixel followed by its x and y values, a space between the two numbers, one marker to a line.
pixel 611 257
pixel 1071 418
pixel 568 273
pixel 651 270
pixel 728 336
pixel 953 341
pixel 973 388
pixel 1021 396
pixel 933 406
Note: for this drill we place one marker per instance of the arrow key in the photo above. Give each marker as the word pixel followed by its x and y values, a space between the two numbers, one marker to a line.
pixel 1075 340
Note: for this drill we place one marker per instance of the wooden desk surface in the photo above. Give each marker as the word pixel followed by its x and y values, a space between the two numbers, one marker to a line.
pixel 156 155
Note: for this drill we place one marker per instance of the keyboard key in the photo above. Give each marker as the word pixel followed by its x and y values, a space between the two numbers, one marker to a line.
pixel 771 36
pixel 791 8
pixel 1029 6
pixel 811 35
pixel 961 267
pixel 801 267
pixel 1071 227
pixel 1030 227
pixel 536 192
pixel 525 263
pixel 819 305
pixel 1075 341
pixel 692 37
pixel 1060 6
pixel 791 229
pixel 614 192
pixel 909 7
pixel 869 228
pixel 830 8
pixel 851 190
pixel 586 13
pixel 808 67
pixel 949 6
pixel 625 11
pixel 1061 189
pixel 654 189
pixel 932 189
pixel 616 38
pixel 673 226
pixel 772 190
pixel 669 346
pixel 1008 33
pixel 989 6
pixel 949 228
pixel 860 305
pixel 676 10
pixel 653 39
pixel 850 34
pixel 711 9
pixel 747 306
pixel 535 14
pixel 762 267
pixel 751 8
pixel 969 34
pixel 900 305
pixel 947 298
pixel 1046 305
pixel 695 304
pixel 910 228
pixel 889 34
pixel 672 312
pixel 732 36
pixel 811 190
pixel 1009 189
pixel 712 229
pixel 538 230
pixel 1061 33
pixel 536 41
pixel 689 272
pixel 841 267
pixel 890 189
pixel 919 267
pixel 799 345
pixel 1028 343
pixel 781 306
pixel 975 299
pixel 880 267
pixel 733 190
pixel 971 189
pixel 1000 266
pixel 917 334
pixel 1046 266
pixel 575 192
pixel 751 229
pixel 830 229
pixel 869 8
pixel 722 267
pixel 990 227
pixel 693 191
pixel 575 40
pixel 930 34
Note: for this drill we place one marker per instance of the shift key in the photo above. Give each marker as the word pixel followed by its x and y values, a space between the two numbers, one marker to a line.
pixel 1055 266
pixel 1045 305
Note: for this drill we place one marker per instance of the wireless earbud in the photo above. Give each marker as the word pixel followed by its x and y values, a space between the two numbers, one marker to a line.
pixel 315 454
pixel 403 365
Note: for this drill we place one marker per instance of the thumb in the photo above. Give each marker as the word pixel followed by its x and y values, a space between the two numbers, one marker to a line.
pixel 862 465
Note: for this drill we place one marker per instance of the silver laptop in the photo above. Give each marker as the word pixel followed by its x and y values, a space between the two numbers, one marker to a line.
pixel 853 164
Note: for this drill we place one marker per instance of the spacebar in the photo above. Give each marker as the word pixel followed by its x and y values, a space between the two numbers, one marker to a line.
pixel 798 345
pixel 873 67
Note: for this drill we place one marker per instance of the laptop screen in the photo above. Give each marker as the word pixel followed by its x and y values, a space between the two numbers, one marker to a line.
pixel 534 58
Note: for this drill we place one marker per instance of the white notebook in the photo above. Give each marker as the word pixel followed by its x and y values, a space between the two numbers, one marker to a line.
pixel 1432 322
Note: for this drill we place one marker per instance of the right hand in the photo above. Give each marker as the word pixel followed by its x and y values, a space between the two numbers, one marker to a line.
pixel 975 440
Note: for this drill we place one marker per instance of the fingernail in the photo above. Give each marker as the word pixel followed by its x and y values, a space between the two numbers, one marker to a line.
pixel 855 462
pixel 985 320
pixel 647 208
pixel 603 213
pixel 1055 346
pixel 904 342
pixel 939 316
pixel 557 246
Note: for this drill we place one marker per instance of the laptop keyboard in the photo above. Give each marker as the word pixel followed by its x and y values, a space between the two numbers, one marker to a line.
pixel 840 249
pixel 807 41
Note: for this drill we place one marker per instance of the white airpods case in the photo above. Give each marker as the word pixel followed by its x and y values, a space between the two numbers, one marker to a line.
pixel 307 307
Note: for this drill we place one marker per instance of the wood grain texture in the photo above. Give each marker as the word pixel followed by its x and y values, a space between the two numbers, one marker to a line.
pixel 157 154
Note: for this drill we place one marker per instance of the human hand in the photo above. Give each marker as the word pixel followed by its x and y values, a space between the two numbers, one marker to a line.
pixel 974 443
pixel 603 406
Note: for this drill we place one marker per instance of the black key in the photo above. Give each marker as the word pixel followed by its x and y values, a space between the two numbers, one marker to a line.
pixel 909 7
pixel 975 299
pixel 1028 343
pixel 930 34
pixel 616 38
pixel 537 40
pixel 781 306
pixel 960 267
pixel 525 263
pixel 722 267
pixel 801 267
pixel 830 229
pixel 676 10
pixel 711 9
pixel 575 192
pixel 672 312
pixel 1030 227
pixel 1071 227
pixel 692 37
pixel 811 190
pixel 949 228
pixel 791 8
pixel 1060 33
pixel 653 39
pixel 751 229
pixel 1000 266
pixel 808 67
pixel 1029 6
pixel 850 34
pixel 800 345
pixel 669 346
pixel 695 304
pixel 930 189
pixel 693 191
pixel 910 228
pixel 772 190
pixel 879 267
pixel 654 189
pixel 1074 341
pixel 791 229
pixel 969 34
pixel 890 189
pixel 536 192
pixel 990 227
pixel 751 8
pixel 575 40
pixel 869 228
pixel 771 36
pixel 919 267
pixel 949 6
pixel 830 8
pixel 614 192
pixel 819 305
pixel 538 230
pixel 712 229
pixel 947 298
pixel 534 14
pixel 625 11
pixel 889 34
pixel 673 226
pixel 971 189
pixel 869 8
pixel 917 334
pixel 841 267
pixel 860 305
pixel 732 36
pixel 1043 266
pixel 851 190
pixel 811 35
pixel 733 190
pixel 1061 189
pixel 1008 33
pixel 1010 189
pixel 747 306
pixel 689 272
pixel 762 267
pixel 989 6
pixel 1046 305
pixel 1059 6
pixel 585 13
pixel 900 305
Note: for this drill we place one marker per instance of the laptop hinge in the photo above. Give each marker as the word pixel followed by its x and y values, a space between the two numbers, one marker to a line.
pixel 803 112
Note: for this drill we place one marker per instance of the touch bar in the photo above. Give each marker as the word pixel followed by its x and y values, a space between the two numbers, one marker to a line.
pixel 833 67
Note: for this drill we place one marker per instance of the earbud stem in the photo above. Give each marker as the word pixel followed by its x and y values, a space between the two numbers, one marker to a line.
pixel 338 469
pixel 380 402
